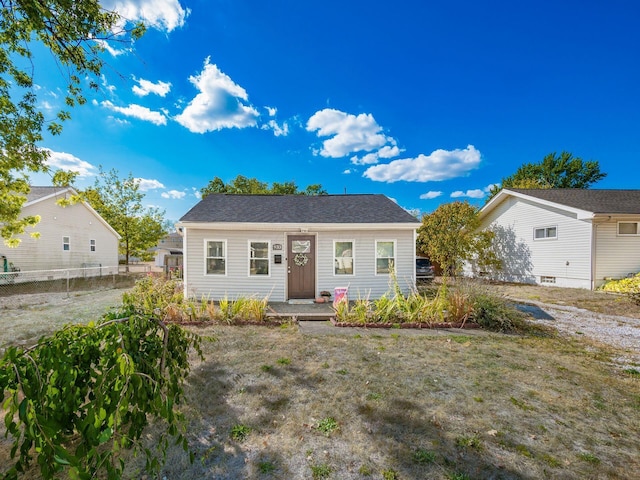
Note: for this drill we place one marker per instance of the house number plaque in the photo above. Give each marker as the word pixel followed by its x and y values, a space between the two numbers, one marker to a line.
pixel 277 246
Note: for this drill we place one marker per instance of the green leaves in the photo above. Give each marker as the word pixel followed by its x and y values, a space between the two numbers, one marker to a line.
pixel 73 32
pixel 94 385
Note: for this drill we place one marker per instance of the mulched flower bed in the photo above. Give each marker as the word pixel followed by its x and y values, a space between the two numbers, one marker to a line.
pixel 406 325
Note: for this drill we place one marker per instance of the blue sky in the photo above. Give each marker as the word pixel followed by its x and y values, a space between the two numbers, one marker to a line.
pixel 425 102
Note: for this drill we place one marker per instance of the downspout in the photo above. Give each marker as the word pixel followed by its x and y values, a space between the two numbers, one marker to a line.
pixel 594 240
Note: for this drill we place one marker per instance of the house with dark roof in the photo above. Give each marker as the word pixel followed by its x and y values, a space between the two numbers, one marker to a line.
pixel 75 236
pixel 292 247
pixel 564 237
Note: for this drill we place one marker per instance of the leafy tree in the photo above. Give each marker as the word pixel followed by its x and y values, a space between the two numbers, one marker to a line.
pixel 449 236
pixel 119 202
pixel 74 33
pixel 80 396
pixel 253 186
pixel 554 171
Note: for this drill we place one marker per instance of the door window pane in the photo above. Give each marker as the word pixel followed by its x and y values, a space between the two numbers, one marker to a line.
pixel 301 246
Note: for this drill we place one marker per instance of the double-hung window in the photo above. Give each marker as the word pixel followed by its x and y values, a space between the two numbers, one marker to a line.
pixel 259 258
pixel 66 244
pixel 545 233
pixel 628 228
pixel 92 245
pixel 216 257
pixel 385 256
pixel 343 257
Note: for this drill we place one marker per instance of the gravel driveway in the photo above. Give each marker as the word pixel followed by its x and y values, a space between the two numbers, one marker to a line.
pixel 620 332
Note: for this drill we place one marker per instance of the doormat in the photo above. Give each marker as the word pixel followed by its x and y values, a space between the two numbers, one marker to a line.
pixel 301 301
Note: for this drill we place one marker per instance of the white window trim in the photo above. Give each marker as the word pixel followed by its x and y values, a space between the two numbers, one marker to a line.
pixel 628 234
pixel 353 258
pixel 68 242
pixel 268 258
pixel 92 245
pixel 545 228
pixel 226 255
pixel 375 256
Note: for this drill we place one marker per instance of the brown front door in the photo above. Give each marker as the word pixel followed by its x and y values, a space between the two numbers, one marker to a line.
pixel 301 266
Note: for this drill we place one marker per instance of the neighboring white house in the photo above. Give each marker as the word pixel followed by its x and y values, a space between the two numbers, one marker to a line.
pixel 295 246
pixel 70 237
pixel 168 253
pixel 565 237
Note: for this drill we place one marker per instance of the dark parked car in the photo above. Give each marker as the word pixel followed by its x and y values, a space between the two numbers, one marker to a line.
pixel 424 269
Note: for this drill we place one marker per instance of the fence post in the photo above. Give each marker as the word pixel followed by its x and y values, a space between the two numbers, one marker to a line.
pixel 67 283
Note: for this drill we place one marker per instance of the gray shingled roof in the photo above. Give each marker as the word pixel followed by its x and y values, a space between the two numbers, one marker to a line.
pixel 298 209
pixel 37 193
pixel 595 201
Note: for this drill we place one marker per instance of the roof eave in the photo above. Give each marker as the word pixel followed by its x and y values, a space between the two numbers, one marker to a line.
pixel 290 227
pixel 580 214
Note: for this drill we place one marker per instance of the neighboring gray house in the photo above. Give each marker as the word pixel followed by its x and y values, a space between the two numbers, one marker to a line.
pixel 70 237
pixel 291 247
pixel 565 237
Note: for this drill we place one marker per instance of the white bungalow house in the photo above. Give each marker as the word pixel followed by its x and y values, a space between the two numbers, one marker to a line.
pixel 70 237
pixel 290 247
pixel 565 237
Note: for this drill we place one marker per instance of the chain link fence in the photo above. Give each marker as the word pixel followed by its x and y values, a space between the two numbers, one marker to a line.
pixel 65 280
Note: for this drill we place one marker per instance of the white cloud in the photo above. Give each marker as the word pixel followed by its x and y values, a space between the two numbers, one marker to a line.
pixel 145 87
pixel 475 193
pixel 137 111
pixel 272 111
pixel 108 48
pixel 430 195
pixel 349 133
pixel 196 193
pixel 108 87
pixel 218 105
pixel 278 130
pixel 165 15
pixel 66 161
pixel 347 171
pixel 388 151
pixel 173 194
pixel 439 165
pixel 146 184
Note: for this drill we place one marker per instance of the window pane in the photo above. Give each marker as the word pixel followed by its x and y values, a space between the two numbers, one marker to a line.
pixel 301 246
pixel 628 228
pixel 259 250
pixel 539 232
pixel 215 266
pixel 551 232
pixel 215 249
pixel 383 264
pixel 259 267
pixel 385 249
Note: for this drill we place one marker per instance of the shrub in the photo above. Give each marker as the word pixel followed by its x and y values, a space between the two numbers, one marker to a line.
pixel 495 313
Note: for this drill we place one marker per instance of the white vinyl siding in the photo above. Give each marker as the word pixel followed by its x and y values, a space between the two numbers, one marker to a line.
pixel 259 253
pixel 79 224
pixel 343 254
pixel 363 283
pixel 616 255
pixel 215 257
pixel 526 259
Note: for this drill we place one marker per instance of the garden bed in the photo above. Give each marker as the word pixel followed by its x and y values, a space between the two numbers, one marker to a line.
pixel 462 325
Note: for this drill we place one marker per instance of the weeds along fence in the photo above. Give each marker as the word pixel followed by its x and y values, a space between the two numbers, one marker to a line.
pixel 63 280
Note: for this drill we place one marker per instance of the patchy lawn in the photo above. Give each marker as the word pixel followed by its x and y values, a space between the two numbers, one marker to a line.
pixel 272 403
